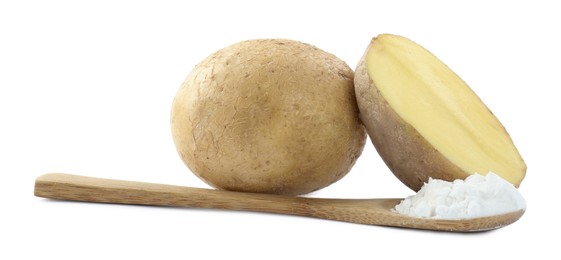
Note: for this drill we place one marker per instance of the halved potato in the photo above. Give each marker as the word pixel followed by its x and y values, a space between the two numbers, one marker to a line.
pixel 427 122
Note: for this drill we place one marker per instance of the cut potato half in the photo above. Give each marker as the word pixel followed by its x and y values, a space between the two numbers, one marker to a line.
pixel 425 121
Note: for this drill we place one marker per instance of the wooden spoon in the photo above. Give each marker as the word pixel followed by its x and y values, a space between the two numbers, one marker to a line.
pixel 362 211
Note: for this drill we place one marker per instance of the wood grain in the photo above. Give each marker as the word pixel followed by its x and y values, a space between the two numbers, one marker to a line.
pixel 361 211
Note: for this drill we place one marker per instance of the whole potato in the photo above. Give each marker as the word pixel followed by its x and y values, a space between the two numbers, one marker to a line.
pixel 271 116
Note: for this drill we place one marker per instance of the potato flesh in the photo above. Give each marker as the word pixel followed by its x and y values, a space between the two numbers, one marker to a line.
pixel 429 96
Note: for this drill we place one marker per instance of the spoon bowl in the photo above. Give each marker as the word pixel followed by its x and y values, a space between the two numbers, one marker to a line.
pixel 361 211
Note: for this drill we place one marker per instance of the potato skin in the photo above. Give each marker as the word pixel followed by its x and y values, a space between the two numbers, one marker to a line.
pixel 408 154
pixel 269 116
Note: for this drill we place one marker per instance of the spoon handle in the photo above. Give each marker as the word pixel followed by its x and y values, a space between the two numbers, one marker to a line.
pixel 88 189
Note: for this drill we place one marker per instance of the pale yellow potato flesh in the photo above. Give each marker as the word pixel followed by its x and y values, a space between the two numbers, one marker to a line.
pixel 442 108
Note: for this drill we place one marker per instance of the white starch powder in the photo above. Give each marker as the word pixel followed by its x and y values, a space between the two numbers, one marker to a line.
pixel 477 196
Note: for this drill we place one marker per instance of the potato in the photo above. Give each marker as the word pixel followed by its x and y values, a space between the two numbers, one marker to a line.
pixel 270 116
pixel 425 121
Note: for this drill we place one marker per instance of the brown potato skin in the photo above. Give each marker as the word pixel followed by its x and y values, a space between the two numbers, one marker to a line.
pixel 408 154
pixel 270 116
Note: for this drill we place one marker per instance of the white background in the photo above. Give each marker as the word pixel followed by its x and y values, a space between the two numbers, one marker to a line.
pixel 86 88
